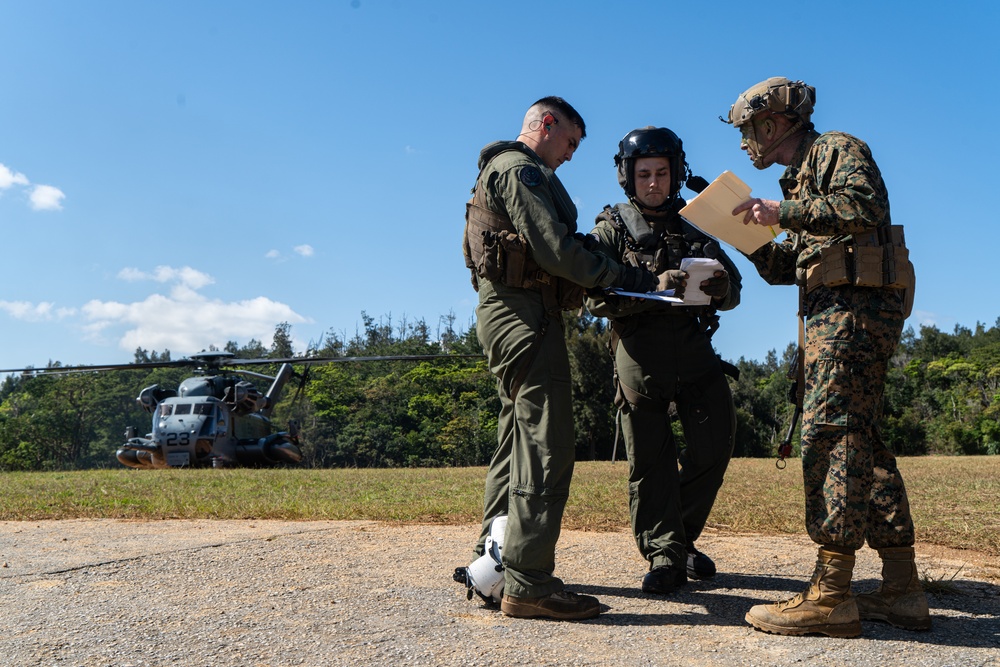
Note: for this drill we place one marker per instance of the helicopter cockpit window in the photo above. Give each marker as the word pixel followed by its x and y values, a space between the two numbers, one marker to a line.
pixel 166 409
pixel 182 409
pixel 202 408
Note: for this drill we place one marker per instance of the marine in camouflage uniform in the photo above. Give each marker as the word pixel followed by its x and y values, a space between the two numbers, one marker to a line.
pixel 528 264
pixel 835 204
pixel 663 353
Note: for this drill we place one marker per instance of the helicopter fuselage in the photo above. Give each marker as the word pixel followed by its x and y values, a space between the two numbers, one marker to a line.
pixel 215 421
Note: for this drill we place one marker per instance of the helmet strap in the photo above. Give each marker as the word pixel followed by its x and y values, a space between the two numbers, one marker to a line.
pixel 665 206
pixel 795 127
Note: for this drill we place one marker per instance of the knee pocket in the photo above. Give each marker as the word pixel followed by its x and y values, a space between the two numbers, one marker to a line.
pixel 533 493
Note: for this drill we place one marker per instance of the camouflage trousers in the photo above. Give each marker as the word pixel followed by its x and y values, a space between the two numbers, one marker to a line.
pixel 854 491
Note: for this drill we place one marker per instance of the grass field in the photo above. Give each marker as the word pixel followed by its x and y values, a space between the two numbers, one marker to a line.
pixel 954 499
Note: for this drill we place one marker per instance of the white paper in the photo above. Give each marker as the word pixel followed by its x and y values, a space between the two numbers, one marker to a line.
pixel 712 212
pixel 698 269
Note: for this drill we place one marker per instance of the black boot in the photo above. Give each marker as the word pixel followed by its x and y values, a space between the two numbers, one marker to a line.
pixel 664 580
pixel 699 566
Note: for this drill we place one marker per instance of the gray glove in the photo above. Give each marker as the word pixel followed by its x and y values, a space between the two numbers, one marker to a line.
pixel 717 286
pixel 634 279
pixel 674 279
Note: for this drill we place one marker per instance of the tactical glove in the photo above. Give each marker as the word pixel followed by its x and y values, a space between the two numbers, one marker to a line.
pixel 674 279
pixel 635 279
pixel 589 241
pixel 717 286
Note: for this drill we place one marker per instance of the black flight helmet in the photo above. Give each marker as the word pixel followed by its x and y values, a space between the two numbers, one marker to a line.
pixel 651 141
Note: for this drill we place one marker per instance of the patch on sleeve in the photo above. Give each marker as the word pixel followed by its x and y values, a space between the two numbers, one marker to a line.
pixel 530 176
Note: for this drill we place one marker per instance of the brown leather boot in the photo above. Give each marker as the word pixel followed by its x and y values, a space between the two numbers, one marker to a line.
pixel 900 599
pixel 562 606
pixel 826 607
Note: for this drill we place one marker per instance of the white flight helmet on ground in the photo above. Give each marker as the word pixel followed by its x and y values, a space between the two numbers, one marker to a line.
pixel 485 574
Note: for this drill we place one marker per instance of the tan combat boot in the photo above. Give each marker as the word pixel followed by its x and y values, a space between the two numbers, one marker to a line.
pixel 826 607
pixel 900 599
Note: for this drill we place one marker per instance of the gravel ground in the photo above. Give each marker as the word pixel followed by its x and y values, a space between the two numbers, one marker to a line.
pixel 240 593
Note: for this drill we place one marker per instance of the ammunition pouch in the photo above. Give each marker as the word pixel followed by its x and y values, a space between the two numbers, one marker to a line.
pixel 495 251
pixel 873 259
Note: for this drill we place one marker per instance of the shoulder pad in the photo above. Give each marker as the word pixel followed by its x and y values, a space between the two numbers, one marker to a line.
pixel 636 225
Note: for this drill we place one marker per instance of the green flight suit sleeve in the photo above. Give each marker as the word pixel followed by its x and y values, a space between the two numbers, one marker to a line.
pixel 611 245
pixel 535 216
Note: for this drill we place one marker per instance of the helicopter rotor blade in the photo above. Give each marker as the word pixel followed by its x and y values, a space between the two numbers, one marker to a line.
pixel 342 360
pixel 65 370
pixel 211 360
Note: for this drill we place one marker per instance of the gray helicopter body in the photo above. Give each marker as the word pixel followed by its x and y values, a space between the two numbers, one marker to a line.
pixel 212 421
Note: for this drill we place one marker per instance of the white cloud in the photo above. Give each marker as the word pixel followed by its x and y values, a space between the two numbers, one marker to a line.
pixel 41 197
pixel 9 178
pixel 304 250
pixel 132 275
pixel 37 312
pixel 185 321
pixel 46 198
pixel 186 276
pixel 925 318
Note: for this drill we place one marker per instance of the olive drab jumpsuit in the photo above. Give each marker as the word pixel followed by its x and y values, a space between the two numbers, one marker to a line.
pixel 663 353
pixel 521 331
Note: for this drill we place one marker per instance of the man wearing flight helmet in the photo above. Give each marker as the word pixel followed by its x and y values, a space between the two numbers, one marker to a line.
pixel 663 354
pixel 855 289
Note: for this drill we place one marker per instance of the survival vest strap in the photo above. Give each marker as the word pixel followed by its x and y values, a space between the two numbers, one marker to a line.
pixel 495 251
pixel 659 252
pixel 878 258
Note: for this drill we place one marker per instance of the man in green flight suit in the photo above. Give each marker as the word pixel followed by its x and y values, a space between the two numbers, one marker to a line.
pixel 663 353
pixel 855 285
pixel 529 263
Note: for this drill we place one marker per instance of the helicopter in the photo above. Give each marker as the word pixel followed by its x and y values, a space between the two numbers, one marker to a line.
pixel 216 418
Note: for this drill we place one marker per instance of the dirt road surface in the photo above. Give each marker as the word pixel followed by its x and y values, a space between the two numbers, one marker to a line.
pixel 242 593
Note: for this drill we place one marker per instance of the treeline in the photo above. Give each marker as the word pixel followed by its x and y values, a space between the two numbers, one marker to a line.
pixel 943 397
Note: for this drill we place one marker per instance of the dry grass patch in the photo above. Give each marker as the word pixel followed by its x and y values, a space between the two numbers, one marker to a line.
pixel 954 499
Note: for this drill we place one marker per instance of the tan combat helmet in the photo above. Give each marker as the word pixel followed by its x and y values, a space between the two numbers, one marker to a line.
pixel 777 94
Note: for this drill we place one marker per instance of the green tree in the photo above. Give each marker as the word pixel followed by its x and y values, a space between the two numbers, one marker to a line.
pixel 281 345
pixel 591 372
pixel 763 408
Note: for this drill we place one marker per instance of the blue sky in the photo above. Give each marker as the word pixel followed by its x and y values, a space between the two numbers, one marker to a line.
pixel 181 174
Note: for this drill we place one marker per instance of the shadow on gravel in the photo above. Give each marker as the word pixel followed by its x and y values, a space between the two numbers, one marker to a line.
pixel 973 623
pixel 720 583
